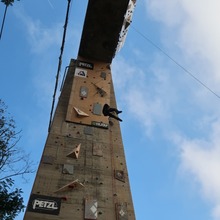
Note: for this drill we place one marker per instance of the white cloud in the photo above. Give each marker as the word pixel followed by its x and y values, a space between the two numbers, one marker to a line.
pixel 145 110
pixel 199 34
pixel 40 38
pixel 200 159
pixel 168 12
pixel 194 27
pixel 148 103
pixel 44 48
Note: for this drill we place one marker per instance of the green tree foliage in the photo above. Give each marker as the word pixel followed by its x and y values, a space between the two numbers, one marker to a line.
pixel 13 162
pixel 8 2
pixel 11 201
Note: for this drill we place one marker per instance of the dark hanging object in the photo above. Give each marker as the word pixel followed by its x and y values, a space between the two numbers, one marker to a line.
pixel 7 3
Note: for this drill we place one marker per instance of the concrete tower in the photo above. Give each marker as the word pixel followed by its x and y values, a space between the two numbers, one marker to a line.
pixel 82 172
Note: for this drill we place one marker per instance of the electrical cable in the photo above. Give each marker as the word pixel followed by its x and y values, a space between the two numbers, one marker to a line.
pixel 177 63
pixel 59 63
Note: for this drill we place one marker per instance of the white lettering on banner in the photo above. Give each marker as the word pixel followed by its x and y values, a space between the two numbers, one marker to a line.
pixel 42 204
pixel 99 124
pixel 86 65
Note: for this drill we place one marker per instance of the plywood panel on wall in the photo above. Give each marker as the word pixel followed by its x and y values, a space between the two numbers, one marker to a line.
pixel 90 91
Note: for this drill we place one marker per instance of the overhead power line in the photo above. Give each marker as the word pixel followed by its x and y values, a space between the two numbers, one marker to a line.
pixel 176 62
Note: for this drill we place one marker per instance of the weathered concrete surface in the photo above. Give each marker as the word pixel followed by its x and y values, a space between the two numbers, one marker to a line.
pixel 101 154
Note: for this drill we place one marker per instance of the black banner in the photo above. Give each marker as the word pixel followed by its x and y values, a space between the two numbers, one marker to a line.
pixel 85 65
pixel 99 124
pixel 44 204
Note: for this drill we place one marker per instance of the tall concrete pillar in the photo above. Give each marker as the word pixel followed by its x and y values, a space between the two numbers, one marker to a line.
pixel 82 173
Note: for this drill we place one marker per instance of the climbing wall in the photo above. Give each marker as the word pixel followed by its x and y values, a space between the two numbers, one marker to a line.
pixel 82 173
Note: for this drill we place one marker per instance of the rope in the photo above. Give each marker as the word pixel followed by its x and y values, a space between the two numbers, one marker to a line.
pixel 177 63
pixel 59 64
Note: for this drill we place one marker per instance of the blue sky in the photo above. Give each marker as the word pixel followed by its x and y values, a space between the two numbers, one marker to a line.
pixel 171 123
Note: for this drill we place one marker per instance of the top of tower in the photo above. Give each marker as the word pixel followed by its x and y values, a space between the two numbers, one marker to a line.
pixel 102 28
